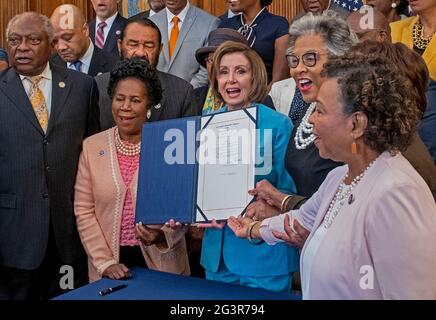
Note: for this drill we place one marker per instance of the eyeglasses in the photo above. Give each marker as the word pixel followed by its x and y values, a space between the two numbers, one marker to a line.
pixel 309 59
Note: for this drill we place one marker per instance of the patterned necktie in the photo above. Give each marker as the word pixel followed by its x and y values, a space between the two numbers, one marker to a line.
pixel 298 106
pixel 77 65
pixel 37 101
pixel 99 38
pixel 174 35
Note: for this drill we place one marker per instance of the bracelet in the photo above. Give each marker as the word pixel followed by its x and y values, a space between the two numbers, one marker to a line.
pixel 249 230
pixel 283 206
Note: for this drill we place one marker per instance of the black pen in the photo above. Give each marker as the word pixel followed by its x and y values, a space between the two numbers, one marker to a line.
pixel 113 289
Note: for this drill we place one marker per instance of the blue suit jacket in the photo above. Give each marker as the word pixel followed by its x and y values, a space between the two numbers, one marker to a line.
pixel 240 256
pixel 110 45
pixel 428 123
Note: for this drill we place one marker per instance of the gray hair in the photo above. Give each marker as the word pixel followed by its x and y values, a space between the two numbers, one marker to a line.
pixel 330 26
pixel 45 21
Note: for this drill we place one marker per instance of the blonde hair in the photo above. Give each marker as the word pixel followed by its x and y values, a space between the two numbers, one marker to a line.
pixel 259 81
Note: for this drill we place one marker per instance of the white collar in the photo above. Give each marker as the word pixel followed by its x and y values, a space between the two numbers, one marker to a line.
pixel 109 21
pixel 46 73
pixel 152 13
pixel 181 15
pixel 87 57
pixel 254 20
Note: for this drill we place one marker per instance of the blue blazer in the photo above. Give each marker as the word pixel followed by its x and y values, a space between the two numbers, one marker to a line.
pixel 240 256
pixel 110 45
pixel 428 122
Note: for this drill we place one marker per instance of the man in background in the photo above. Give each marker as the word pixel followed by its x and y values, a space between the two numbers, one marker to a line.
pixel 75 49
pixel 155 7
pixel 184 29
pixel 141 38
pixel 369 24
pixel 108 25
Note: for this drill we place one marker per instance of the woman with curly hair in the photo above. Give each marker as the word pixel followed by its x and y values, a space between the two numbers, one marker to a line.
pixel 106 184
pixel 266 33
pixel 371 224
pixel 411 65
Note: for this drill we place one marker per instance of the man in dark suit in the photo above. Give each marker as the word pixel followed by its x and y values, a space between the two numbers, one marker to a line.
pixel 74 48
pixel 155 7
pixel 141 38
pixel 108 26
pixel 45 113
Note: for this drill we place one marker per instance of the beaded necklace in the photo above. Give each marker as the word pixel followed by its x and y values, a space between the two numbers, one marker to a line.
pixel 126 149
pixel 305 127
pixel 344 191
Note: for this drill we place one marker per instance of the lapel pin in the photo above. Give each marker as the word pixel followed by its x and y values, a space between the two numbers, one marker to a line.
pixel 118 32
pixel 62 84
pixel 101 153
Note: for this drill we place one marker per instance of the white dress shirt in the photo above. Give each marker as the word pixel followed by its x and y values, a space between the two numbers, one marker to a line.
pixel 109 22
pixel 45 85
pixel 85 59
pixel 181 16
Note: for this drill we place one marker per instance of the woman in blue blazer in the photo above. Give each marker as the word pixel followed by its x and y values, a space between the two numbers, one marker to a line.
pixel 239 79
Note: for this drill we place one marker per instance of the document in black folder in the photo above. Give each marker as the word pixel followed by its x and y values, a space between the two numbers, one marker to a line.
pixel 197 169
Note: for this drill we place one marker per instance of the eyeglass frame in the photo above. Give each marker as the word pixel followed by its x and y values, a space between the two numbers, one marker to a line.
pixel 315 54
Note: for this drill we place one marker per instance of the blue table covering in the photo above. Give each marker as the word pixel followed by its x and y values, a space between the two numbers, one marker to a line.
pixel 153 285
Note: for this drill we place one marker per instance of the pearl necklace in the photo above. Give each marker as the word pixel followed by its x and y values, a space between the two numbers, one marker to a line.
pixel 344 191
pixel 305 127
pixel 125 148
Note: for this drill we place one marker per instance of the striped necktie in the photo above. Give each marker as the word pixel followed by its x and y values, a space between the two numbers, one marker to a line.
pixel 99 38
pixel 37 101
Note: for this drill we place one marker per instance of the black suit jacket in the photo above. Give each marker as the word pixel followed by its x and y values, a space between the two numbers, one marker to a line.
pixel 178 100
pixel 142 15
pixel 101 62
pixel 117 28
pixel 38 171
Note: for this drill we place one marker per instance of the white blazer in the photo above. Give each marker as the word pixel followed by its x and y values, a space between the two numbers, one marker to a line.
pixel 282 94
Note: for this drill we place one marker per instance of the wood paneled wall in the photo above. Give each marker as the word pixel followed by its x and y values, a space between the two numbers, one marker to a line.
pixel 9 8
